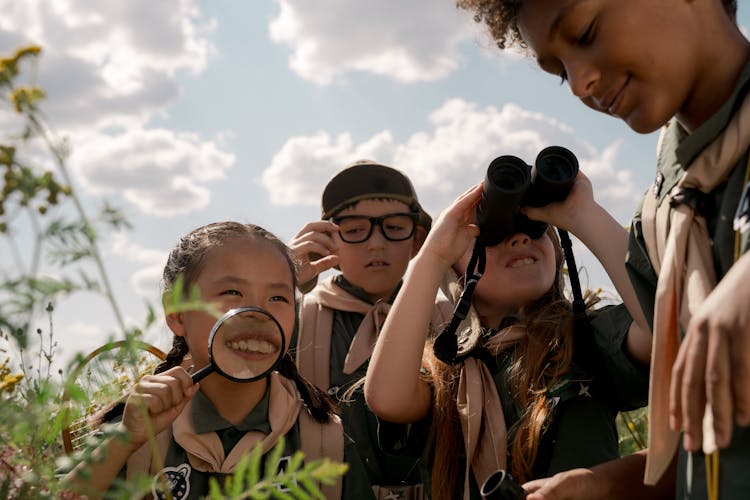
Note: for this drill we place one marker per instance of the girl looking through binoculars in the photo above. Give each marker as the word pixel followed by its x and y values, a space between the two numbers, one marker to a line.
pixel 522 401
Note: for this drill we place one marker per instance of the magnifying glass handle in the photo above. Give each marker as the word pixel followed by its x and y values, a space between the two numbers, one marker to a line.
pixel 202 373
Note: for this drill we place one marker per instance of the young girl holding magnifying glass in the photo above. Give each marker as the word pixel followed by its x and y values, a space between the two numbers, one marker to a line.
pixel 203 429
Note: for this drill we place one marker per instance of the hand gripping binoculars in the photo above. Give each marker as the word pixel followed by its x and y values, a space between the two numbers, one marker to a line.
pixel 511 184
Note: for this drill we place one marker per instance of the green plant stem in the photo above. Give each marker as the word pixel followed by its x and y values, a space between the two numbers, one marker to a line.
pixel 59 158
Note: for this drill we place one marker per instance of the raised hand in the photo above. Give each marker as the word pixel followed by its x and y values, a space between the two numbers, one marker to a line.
pixel 316 249
pixel 155 402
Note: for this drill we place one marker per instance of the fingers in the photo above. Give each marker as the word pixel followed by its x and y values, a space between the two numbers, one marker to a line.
pixel 740 372
pixel 165 391
pixel 566 485
pixel 719 386
pixel 315 238
pixel 691 377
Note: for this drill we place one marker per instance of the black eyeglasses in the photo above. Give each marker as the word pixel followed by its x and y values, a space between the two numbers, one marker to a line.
pixel 358 228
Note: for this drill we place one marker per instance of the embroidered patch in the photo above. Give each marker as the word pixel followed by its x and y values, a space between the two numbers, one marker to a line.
pixel 283 465
pixel 177 479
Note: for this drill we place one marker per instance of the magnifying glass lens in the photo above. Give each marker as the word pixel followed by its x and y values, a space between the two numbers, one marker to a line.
pixel 247 345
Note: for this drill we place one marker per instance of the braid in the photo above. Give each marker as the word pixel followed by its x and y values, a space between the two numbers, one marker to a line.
pixel 321 405
pixel 174 356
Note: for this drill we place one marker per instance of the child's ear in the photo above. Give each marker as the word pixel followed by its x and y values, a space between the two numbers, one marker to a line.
pixel 174 322
pixel 420 234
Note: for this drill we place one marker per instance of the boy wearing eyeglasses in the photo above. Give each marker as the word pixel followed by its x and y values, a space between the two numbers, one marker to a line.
pixel 372 224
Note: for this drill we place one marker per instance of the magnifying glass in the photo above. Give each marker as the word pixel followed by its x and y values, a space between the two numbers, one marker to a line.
pixel 245 345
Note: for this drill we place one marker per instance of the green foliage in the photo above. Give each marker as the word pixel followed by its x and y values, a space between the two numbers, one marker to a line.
pixel 632 427
pixel 295 481
pixel 38 204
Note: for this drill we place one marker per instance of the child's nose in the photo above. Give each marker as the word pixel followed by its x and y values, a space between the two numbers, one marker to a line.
pixel 377 239
pixel 582 78
pixel 519 239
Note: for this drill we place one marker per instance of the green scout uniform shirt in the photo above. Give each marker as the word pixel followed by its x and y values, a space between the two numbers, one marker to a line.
pixel 188 483
pixel 679 149
pixel 385 469
pixel 582 432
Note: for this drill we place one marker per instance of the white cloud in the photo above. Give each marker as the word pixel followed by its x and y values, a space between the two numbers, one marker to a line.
pixel 160 171
pixel 407 41
pixel 108 68
pixel 445 159
pixel 146 280
pixel 109 61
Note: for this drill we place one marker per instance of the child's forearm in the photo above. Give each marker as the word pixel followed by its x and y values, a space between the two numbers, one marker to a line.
pixel 393 388
pixel 608 241
pixel 93 478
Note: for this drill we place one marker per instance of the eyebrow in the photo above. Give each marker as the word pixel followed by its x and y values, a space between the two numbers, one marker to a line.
pixel 240 281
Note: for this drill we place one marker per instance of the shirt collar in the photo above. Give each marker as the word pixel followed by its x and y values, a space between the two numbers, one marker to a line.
pixel 692 145
pixel 207 419
pixel 358 292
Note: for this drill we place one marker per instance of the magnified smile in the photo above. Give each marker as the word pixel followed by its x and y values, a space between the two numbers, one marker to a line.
pixel 252 344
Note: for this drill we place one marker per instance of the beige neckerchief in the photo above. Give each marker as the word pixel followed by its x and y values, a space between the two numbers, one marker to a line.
pixel 686 276
pixel 329 295
pixel 479 407
pixel 206 452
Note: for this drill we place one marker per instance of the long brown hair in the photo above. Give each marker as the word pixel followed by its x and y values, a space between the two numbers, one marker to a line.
pixel 186 261
pixel 541 357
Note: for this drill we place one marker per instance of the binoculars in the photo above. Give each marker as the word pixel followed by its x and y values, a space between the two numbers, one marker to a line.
pixel 501 486
pixel 511 184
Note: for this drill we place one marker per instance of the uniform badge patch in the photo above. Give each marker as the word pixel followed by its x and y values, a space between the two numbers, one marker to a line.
pixel 177 479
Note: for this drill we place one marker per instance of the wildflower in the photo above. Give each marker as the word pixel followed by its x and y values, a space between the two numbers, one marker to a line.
pixel 9 382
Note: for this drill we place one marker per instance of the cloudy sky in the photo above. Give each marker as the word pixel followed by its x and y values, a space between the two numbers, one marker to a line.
pixel 184 112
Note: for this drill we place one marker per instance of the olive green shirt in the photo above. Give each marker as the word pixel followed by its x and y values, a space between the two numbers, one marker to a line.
pixel 678 150
pixel 582 431
pixel 383 468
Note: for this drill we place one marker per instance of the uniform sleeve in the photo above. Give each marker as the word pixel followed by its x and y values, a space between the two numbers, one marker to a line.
pixel 639 269
pixel 404 439
pixel 628 377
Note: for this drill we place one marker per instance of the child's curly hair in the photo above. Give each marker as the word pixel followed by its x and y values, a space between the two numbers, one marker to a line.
pixel 501 18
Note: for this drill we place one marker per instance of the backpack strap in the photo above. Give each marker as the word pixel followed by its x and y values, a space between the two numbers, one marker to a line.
pixel 323 441
pixel 314 343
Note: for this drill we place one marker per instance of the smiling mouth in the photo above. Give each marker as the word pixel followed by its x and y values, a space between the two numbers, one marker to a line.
pixel 252 345
pixel 525 261
pixel 378 263
pixel 614 105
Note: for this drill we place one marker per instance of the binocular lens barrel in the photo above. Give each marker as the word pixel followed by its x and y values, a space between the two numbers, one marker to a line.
pixel 510 184
pixel 552 176
pixel 507 179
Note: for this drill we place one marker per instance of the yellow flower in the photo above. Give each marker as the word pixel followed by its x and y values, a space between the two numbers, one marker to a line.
pixel 9 382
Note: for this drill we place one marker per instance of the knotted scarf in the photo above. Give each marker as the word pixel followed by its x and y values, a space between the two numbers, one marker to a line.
pixel 480 410
pixel 315 339
pixel 206 452
pixel 685 267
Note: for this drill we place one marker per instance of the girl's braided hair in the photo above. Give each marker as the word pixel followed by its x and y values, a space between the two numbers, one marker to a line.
pixel 186 261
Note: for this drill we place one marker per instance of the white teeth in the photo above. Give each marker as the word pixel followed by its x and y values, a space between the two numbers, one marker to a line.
pixel 521 262
pixel 253 345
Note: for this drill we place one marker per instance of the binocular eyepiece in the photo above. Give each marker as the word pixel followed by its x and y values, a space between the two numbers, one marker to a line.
pixel 511 184
pixel 501 486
